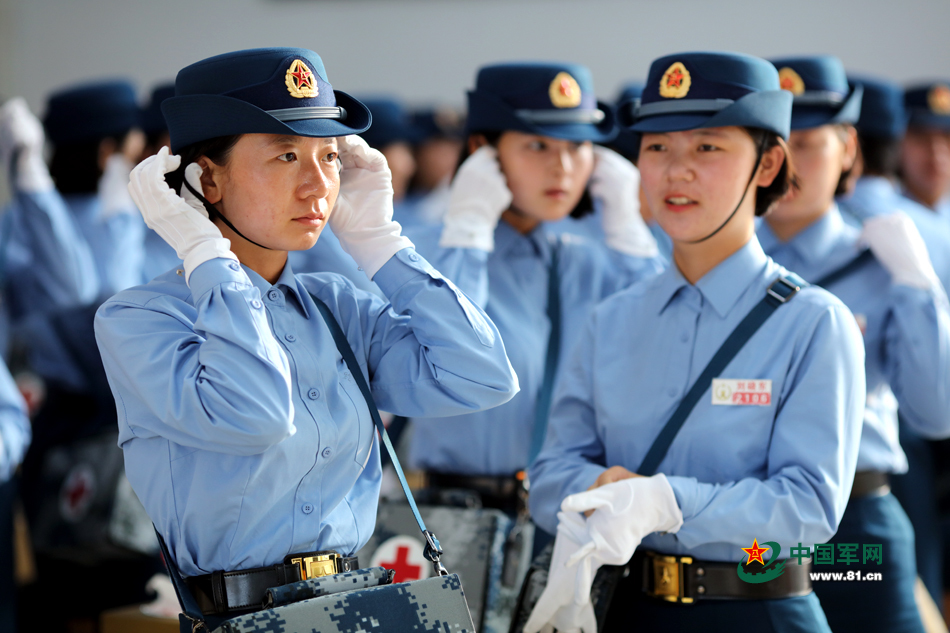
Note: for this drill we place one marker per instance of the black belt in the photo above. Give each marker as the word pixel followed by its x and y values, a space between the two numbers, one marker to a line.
pixel 685 580
pixel 502 487
pixel 224 592
pixel 870 483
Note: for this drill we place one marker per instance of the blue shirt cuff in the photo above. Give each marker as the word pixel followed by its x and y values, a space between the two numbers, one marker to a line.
pixel 403 267
pixel 685 491
pixel 215 272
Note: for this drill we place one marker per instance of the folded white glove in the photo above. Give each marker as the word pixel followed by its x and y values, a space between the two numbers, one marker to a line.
pixel 625 512
pixel 616 183
pixel 20 130
pixel 114 187
pixel 363 216
pixel 477 198
pixel 181 221
pixel 563 605
pixel 897 244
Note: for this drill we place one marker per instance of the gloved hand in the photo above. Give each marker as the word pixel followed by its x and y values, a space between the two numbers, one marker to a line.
pixel 477 198
pixel 897 244
pixel 363 216
pixel 22 132
pixel 564 604
pixel 114 187
pixel 181 221
pixel 616 183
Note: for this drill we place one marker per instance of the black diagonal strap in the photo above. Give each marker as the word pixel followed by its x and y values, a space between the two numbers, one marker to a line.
pixel 433 550
pixel 189 605
pixel 834 276
pixel 542 407
pixel 780 292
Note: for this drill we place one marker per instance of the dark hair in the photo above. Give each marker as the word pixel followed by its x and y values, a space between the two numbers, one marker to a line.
pixel 217 150
pixel 881 156
pixel 767 197
pixel 75 166
pixel 585 206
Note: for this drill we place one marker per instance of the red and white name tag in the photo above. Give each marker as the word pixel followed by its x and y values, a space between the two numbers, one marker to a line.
pixel 738 391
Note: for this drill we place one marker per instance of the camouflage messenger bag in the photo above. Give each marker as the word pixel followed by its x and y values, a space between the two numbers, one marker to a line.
pixel 361 600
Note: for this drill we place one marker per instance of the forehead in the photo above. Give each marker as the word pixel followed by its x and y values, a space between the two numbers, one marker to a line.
pixel 270 140
pixel 516 136
pixel 724 133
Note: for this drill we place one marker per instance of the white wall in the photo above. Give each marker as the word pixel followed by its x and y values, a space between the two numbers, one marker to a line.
pixel 427 50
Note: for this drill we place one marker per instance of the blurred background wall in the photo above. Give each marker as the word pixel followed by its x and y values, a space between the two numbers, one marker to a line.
pixel 428 50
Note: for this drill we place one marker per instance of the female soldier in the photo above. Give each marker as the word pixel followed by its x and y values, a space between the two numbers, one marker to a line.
pixel 758 443
pixel 902 310
pixel 533 162
pixel 245 436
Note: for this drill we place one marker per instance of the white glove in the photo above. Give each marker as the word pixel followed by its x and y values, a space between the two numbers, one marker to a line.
pixel 478 197
pixel 564 605
pixel 363 216
pixel 616 183
pixel 181 221
pixel 897 244
pixel 114 187
pixel 19 129
pixel 625 512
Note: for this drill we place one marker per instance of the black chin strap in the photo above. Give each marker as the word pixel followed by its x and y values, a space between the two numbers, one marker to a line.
pixel 758 161
pixel 214 213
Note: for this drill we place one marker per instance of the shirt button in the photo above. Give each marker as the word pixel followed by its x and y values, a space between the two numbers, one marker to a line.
pixel 327 452
pixel 307 508
pixel 684 337
pixel 234 266
pixel 273 295
pixel 313 394
pixel 413 257
pixel 256 304
pixel 290 337
pixel 672 392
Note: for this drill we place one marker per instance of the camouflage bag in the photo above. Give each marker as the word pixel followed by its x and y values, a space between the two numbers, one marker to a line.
pixel 348 602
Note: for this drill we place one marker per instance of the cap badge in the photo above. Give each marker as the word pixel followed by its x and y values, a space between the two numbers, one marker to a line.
pixel 675 82
pixel 300 82
pixel 564 91
pixel 939 99
pixel 790 80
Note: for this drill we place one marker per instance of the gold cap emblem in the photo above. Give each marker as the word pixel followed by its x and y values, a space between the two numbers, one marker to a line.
pixel 939 99
pixel 564 91
pixel 675 82
pixel 299 80
pixel 790 80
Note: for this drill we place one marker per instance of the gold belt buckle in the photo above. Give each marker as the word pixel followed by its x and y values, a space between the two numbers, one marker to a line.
pixel 669 579
pixel 317 565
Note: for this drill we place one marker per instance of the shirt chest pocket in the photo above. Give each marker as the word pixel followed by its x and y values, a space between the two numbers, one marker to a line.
pixel 356 439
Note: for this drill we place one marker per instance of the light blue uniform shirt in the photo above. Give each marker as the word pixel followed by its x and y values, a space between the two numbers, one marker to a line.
pixel 117 243
pixel 245 436
pixel 877 195
pixel 511 284
pixel 906 335
pixel 15 430
pixel 781 472
pixel 328 256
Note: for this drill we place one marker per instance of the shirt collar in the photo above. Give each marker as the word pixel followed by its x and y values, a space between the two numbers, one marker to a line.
pixel 816 243
pixel 723 285
pixel 287 279
pixel 508 241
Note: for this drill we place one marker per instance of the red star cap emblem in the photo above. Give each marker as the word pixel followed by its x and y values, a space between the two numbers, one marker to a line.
pixel 755 552
pixel 675 79
pixel 566 88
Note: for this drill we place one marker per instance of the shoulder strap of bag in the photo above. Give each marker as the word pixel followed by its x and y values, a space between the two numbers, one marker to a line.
pixel 433 549
pixel 780 292
pixel 862 258
pixel 542 407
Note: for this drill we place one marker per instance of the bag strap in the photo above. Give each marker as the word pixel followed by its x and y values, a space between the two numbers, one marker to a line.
pixel 862 258
pixel 542 407
pixel 189 605
pixel 433 549
pixel 780 292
